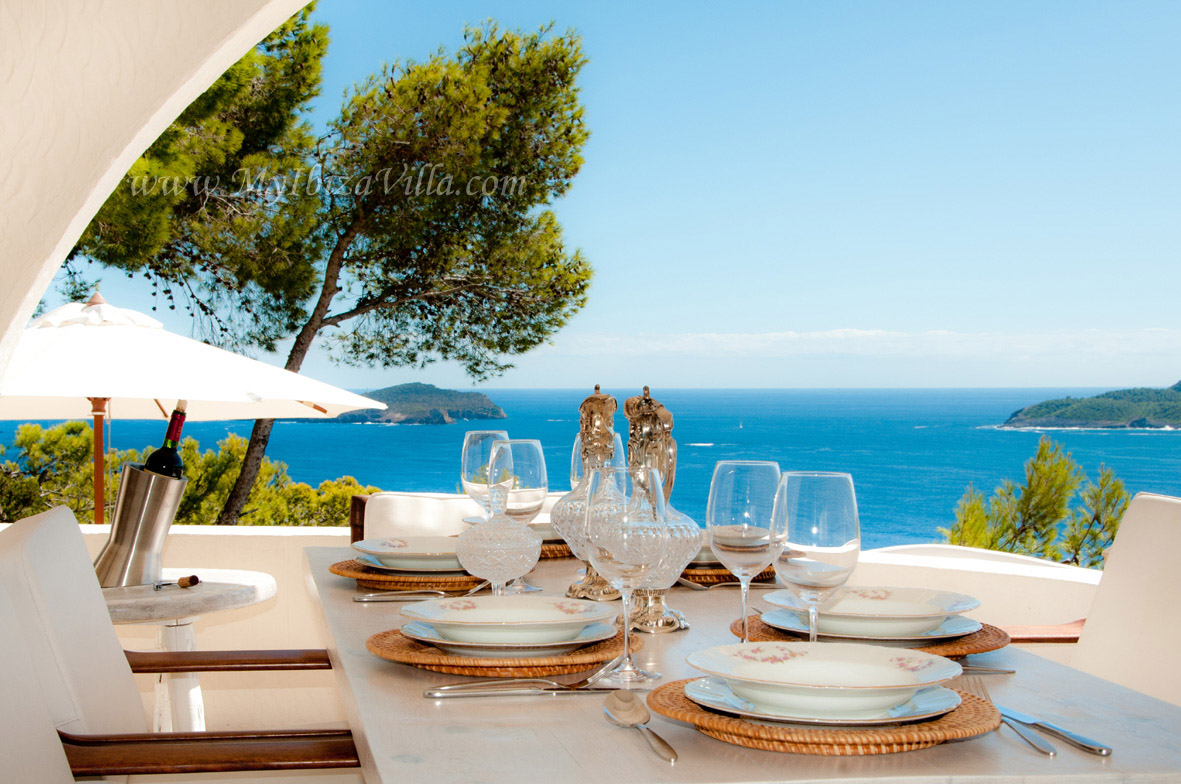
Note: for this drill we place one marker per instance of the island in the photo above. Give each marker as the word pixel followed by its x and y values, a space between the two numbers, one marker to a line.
pixel 425 404
pixel 1143 407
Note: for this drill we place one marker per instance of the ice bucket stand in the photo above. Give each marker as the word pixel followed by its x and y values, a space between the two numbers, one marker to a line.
pixel 144 510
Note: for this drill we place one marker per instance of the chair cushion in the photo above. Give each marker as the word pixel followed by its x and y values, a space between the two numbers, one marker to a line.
pixel 1133 630
pixel 417 514
pixel 63 619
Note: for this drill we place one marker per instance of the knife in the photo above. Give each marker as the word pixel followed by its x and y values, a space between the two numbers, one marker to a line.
pixel 1073 738
pixel 438 694
pixel 1029 736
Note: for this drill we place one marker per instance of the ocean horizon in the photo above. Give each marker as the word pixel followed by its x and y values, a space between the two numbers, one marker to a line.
pixel 911 452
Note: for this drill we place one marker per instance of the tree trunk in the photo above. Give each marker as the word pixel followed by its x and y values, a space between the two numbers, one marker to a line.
pixel 261 434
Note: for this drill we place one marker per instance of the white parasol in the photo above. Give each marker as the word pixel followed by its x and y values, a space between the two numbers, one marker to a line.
pixel 95 360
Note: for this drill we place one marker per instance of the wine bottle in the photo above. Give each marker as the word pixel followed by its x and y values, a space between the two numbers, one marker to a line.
pixel 166 460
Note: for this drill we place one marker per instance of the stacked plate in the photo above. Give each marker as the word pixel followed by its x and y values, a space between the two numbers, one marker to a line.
pixel 508 627
pixel 829 683
pixel 897 616
pixel 418 554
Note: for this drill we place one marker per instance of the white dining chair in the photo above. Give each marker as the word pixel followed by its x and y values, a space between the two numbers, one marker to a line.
pixel 1133 630
pixel 80 672
pixel 424 514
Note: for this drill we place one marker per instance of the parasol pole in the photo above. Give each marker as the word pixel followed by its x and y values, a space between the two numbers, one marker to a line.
pixel 98 410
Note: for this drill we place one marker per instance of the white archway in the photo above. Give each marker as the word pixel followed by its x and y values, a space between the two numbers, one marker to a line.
pixel 85 87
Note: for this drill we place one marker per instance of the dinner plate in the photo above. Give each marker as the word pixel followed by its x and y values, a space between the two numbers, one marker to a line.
pixel 823 680
pixel 878 611
pixel 954 626
pixel 511 619
pixel 705 557
pixel 713 693
pixel 413 553
pixel 373 563
pixel 424 632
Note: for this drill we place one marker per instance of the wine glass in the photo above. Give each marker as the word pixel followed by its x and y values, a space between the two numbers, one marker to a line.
pixel 628 536
pixel 473 464
pixel 520 461
pixel 743 533
pixel 498 549
pixel 819 510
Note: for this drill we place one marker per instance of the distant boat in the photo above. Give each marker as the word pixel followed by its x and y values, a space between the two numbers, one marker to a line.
pixel 740 424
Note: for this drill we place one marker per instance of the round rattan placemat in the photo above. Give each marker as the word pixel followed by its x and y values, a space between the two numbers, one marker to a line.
pixel 555 550
pixel 989 638
pixel 392 645
pixel 708 575
pixel 387 581
pixel 974 717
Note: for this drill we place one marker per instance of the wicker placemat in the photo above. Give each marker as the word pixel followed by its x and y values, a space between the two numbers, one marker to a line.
pixel 708 575
pixel 555 550
pixel 989 638
pixel 396 647
pixel 388 581
pixel 974 717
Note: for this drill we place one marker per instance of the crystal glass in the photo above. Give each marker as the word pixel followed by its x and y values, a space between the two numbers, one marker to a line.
pixel 743 533
pixel 628 535
pixel 523 461
pixel 473 463
pixel 503 548
pixel 819 510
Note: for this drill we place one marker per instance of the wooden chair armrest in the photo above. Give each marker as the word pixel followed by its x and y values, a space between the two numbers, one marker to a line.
pixel 1058 633
pixel 211 752
pixel 357 518
pixel 227 661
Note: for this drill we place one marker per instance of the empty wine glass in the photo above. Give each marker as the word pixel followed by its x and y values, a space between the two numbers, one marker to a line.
pixel 819 510
pixel 743 533
pixel 628 535
pixel 473 464
pixel 521 461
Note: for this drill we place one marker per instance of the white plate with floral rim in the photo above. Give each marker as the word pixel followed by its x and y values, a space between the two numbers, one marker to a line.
pixel 413 553
pixel 877 611
pixel 541 524
pixel 424 632
pixel 830 680
pixel 713 693
pixel 511 619
pixel 373 563
pixel 954 626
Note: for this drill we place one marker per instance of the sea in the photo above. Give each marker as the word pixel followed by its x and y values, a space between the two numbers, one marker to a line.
pixel 911 452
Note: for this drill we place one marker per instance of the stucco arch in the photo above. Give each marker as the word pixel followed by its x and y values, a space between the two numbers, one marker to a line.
pixel 85 87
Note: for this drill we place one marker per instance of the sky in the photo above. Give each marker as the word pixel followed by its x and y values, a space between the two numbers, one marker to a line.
pixel 842 194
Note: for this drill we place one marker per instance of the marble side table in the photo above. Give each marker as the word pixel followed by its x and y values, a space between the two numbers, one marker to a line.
pixel 179 707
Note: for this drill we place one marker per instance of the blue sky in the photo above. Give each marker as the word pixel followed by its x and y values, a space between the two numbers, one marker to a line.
pixel 845 194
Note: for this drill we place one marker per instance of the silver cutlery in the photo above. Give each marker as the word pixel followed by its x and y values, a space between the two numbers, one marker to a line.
pixel 979 670
pixel 1073 738
pixel 973 685
pixel 729 584
pixel 515 686
pixel 625 709
pixel 413 595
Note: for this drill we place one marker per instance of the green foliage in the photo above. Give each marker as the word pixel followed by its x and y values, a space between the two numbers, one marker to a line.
pixel 52 467
pixel 235 257
pixel 1029 518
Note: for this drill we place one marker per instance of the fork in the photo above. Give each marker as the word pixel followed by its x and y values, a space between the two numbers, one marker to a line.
pixel 973 685
pixel 480 688
pixel 413 595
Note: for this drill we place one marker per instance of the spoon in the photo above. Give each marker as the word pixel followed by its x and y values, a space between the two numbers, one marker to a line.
pixel 625 709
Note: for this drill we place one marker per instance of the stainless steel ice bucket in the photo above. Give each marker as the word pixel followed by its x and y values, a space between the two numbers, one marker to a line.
pixel 144 510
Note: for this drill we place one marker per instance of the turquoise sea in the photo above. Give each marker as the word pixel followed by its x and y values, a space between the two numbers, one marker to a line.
pixel 911 452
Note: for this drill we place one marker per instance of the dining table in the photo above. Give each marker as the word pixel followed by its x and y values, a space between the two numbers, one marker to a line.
pixel 402 736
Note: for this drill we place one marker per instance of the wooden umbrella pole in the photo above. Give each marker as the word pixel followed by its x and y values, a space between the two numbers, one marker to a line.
pixel 98 410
